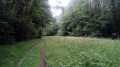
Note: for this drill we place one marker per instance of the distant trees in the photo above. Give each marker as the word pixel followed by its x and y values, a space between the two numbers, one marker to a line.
pixel 97 18
pixel 51 29
pixel 22 19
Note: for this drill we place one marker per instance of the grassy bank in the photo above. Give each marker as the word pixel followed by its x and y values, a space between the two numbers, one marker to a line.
pixel 10 55
pixel 82 52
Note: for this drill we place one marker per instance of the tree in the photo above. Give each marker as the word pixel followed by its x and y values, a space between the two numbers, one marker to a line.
pixel 23 19
pixel 97 18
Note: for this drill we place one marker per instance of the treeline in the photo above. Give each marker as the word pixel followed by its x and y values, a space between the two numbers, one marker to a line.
pixel 96 18
pixel 51 29
pixel 23 19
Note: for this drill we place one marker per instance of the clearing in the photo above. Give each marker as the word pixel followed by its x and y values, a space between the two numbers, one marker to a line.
pixel 59 51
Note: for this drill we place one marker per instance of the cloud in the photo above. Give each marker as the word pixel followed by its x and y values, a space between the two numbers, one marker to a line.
pixel 54 3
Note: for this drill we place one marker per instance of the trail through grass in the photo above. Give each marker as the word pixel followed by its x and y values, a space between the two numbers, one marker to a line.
pixel 36 56
pixel 82 52
pixel 33 59
pixel 63 52
pixel 10 55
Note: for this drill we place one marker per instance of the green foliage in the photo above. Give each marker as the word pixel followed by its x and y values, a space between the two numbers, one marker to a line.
pixel 94 18
pixel 23 19
pixel 52 29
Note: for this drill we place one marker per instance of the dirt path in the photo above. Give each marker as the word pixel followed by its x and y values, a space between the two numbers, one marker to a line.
pixel 42 57
pixel 19 63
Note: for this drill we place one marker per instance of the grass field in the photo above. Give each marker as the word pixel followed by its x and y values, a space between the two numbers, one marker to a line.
pixel 82 52
pixel 10 55
pixel 63 52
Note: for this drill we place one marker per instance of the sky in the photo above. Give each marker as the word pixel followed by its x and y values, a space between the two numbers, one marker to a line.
pixel 53 3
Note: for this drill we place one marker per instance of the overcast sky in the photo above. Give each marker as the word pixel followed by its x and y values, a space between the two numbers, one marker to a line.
pixel 54 3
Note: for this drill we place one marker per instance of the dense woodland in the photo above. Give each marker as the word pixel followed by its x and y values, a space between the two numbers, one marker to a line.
pixel 96 18
pixel 23 19
pixel 27 19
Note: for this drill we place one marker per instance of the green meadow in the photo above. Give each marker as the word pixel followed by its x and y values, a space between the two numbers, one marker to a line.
pixel 82 52
pixel 63 52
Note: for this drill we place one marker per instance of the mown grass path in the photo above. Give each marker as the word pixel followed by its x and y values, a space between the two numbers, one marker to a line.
pixel 11 54
pixel 20 62
pixel 36 57
pixel 42 57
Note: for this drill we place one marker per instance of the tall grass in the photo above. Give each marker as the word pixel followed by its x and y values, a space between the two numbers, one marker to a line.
pixel 82 52
pixel 11 54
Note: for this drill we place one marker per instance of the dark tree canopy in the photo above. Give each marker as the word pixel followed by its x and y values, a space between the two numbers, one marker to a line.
pixel 23 19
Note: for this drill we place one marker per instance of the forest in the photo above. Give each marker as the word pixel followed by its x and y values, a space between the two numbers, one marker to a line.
pixel 22 20
pixel 95 18
pixel 59 33
pixel 26 19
